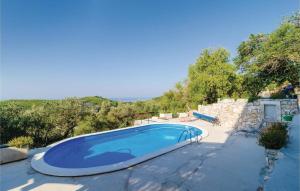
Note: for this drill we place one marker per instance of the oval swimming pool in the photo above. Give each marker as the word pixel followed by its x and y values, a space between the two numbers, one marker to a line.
pixel 112 150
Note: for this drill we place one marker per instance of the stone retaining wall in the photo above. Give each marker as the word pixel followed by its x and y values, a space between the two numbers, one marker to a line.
pixel 243 115
pixel 289 106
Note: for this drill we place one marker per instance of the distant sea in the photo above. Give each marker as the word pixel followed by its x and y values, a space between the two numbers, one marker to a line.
pixel 131 99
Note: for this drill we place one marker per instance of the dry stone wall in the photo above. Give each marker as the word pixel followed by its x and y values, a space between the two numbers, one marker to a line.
pixel 243 115
pixel 289 106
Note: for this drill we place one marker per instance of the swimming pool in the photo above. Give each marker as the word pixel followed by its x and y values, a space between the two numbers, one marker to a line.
pixel 113 150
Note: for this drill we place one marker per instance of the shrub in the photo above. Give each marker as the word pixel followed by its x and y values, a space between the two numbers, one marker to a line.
pixel 11 122
pixel 274 136
pixel 84 127
pixel 278 95
pixel 253 98
pixel 21 142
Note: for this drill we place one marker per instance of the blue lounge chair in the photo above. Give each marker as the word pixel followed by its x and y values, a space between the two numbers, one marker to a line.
pixel 206 117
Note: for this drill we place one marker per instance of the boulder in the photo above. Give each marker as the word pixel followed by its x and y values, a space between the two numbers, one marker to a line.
pixel 10 154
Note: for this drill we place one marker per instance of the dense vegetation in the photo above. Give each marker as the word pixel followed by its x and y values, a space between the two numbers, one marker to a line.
pixel 263 61
pixel 49 121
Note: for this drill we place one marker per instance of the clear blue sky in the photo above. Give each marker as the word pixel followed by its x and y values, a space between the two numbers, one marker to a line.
pixel 119 48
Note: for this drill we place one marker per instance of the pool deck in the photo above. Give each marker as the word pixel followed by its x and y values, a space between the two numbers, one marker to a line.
pixel 219 162
pixel 287 167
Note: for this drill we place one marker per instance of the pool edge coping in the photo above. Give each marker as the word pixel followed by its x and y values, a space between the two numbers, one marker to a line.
pixel 38 163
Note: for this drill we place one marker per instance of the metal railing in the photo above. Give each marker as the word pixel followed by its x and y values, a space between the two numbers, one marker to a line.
pixel 188 132
pixel 191 134
pixel 144 118
pixel 198 135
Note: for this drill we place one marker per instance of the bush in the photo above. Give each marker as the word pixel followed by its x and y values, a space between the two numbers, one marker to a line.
pixel 274 136
pixel 278 95
pixel 253 98
pixel 21 142
pixel 84 127
pixel 11 122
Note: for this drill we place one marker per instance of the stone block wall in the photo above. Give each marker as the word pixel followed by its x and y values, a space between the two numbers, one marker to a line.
pixel 251 117
pixel 243 115
pixel 289 106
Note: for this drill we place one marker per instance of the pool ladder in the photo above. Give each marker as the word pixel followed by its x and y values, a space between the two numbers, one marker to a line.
pixel 189 132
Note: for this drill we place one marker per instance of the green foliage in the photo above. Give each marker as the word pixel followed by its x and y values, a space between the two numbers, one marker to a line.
pixel 26 103
pixel 293 19
pixel 45 123
pixel 121 116
pixel 85 126
pixel 97 100
pixel 145 109
pixel 52 121
pixel 174 100
pixel 212 77
pixel 11 122
pixel 265 59
pixel 278 95
pixel 274 136
pixel 272 86
pixel 21 142
pixel 253 98
pixel 67 115
pixel 280 61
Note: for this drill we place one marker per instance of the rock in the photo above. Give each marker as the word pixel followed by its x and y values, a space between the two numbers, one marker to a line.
pixel 11 154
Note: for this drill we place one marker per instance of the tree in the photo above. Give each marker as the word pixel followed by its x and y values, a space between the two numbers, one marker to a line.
pixel 120 116
pixel 211 77
pixel 279 60
pixel 265 59
pixel 293 19
pixel 174 100
pixel 10 122
pixel 68 113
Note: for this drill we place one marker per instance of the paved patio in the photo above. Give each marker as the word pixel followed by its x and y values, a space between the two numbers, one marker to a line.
pixel 220 162
pixel 286 173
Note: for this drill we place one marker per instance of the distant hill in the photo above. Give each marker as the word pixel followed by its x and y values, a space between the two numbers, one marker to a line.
pixel 97 100
pixel 36 102
pixel 131 99
pixel 26 102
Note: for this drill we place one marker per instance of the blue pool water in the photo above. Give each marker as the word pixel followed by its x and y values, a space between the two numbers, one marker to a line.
pixel 117 146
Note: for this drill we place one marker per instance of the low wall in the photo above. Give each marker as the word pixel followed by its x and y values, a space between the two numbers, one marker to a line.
pixel 243 115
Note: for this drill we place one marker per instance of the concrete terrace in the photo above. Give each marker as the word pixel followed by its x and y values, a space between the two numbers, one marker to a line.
pixel 219 162
pixel 288 166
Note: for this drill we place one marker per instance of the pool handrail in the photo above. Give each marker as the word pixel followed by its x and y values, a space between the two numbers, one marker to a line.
pixel 188 132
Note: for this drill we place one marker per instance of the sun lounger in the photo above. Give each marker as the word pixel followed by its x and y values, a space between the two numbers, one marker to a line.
pixel 166 116
pixel 204 117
